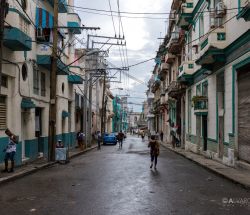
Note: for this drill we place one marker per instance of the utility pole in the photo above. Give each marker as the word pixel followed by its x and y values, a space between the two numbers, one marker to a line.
pixel 90 110
pixel 3 12
pixel 103 103
pixel 53 87
pixel 85 107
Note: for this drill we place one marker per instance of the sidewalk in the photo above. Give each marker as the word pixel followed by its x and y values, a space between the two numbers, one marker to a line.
pixel 38 164
pixel 236 175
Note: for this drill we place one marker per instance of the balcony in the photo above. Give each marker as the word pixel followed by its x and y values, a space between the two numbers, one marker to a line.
pixel 45 61
pixel 244 11
pixel 175 89
pixel 200 104
pixel 169 58
pixel 211 47
pixel 16 40
pixel 175 4
pixel 174 45
pixel 156 85
pixel 185 16
pixel 75 79
pixel 185 71
pixel 150 96
pixel 74 23
pixel 164 67
pixel 62 7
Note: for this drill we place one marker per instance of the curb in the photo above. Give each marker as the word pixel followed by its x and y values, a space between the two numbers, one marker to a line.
pixel 32 170
pixel 246 186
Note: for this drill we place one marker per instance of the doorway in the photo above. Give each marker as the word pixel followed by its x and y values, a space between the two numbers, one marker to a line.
pixel 244 113
pixel 204 132
pixel 38 129
pixel 221 136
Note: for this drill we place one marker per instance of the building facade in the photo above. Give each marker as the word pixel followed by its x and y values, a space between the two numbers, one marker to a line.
pixel 25 91
pixel 207 52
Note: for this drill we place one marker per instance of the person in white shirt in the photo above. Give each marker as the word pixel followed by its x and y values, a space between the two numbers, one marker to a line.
pixel 10 151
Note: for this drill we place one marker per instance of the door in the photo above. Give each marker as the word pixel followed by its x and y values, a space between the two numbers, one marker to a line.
pixel 38 128
pixel 23 128
pixel 198 133
pixel 221 136
pixel 204 131
pixel 244 113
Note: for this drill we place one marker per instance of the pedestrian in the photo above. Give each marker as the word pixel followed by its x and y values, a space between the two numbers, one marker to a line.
pixel 120 138
pixel 154 151
pixel 161 135
pixel 142 135
pixel 10 151
pixel 99 139
pixel 80 139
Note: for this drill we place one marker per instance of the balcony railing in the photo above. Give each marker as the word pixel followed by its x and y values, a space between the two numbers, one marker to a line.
pixel 200 104
pixel 184 16
pixel 74 23
pixel 187 67
pixel 169 58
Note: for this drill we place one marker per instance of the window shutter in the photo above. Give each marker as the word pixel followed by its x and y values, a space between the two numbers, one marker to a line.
pixel 3 112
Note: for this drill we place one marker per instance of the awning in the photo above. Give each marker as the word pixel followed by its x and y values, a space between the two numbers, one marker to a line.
pixel 27 103
pixel 44 19
pixel 75 79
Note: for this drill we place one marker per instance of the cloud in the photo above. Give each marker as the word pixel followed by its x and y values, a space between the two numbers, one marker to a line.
pixel 141 34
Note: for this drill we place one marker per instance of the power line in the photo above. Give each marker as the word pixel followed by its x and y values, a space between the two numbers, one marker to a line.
pixel 141 13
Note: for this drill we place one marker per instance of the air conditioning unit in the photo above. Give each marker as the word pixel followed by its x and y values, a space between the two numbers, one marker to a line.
pixel 39 34
pixel 220 9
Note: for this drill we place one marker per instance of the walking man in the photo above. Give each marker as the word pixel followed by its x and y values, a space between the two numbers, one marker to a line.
pixel 154 151
pixel 10 151
pixel 120 138
pixel 161 135
pixel 99 139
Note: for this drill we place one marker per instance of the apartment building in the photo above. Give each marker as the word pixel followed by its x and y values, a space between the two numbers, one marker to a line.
pixel 209 70
pixel 25 92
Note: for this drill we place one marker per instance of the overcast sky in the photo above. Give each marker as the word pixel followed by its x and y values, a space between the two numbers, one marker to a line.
pixel 141 36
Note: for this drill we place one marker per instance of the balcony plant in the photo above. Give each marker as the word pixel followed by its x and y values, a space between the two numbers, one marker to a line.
pixel 197 99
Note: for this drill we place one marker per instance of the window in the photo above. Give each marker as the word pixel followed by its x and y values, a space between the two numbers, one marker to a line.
pixel 198 90
pixel 63 87
pixel 35 81
pixel 44 34
pixel 4 81
pixel 24 4
pixel 201 27
pixel 189 111
pixel 43 84
pixel 189 39
pixel 3 112
pixel 205 89
pixel 24 72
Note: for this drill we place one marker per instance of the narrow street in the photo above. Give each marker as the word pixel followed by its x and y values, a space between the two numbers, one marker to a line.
pixel 120 182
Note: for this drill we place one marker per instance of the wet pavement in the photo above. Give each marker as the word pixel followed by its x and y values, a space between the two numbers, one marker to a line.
pixel 120 182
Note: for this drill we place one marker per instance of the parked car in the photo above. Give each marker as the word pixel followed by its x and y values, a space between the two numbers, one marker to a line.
pixel 110 139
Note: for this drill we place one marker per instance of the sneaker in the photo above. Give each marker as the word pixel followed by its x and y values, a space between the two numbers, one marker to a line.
pixel 5 170
pixel 155 168
pixel 151 166
pixel 11 170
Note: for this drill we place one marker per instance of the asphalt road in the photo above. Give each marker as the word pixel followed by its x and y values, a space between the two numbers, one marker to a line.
pixel 119 182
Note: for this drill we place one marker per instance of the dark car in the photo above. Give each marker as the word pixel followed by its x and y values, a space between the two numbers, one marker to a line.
pixel 110 139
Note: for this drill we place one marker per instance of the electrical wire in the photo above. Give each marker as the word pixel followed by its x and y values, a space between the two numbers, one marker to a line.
pixel 141 13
